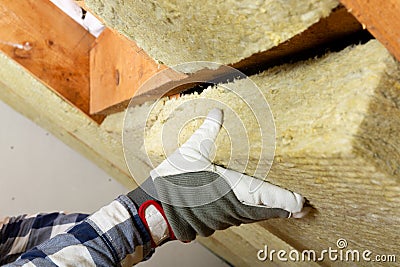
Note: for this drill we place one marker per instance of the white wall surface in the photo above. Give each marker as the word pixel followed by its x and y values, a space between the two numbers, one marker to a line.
pixel 39 173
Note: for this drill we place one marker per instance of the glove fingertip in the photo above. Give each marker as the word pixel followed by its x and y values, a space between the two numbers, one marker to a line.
pixel 215 115
pixel 303 213
pixel 295 203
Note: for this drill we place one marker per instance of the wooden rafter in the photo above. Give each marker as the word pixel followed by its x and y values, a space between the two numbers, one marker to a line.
pixel 118 68
pixel 50 45
pixel 57 52
pixel 107 79
pixel 381 18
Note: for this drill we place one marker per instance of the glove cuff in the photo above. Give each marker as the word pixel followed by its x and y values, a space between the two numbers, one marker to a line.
pixel 143 193
pixel 151 213
pixel 153 217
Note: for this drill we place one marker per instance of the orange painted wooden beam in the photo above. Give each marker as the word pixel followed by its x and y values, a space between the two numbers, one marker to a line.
pixel 56 47
pixel 381 18
pixel 118 70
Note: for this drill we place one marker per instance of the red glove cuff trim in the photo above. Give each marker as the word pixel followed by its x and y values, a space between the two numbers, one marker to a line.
pixel 142 216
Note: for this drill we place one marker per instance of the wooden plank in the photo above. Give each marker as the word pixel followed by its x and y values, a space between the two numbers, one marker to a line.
pixel 381 18
pixel 57 48
pixel 119 67
pixel 171 83
pixel 250 238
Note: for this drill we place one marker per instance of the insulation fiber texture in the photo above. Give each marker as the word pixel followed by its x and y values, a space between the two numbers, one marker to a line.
pixel 173 32
pixel 337 143
pixel 341 104
pixel 337 121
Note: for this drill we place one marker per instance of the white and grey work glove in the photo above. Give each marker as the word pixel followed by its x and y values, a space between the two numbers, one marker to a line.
pixel 199 197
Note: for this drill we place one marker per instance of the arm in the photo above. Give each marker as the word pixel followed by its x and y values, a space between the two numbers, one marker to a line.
pixel 185 196
pixel 21 233
pixel 111 236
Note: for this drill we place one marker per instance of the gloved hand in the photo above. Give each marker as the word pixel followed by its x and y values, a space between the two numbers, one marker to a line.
pixel 198 197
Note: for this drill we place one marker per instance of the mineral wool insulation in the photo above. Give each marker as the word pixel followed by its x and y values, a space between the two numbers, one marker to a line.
pixel 335 107
pixel 227 31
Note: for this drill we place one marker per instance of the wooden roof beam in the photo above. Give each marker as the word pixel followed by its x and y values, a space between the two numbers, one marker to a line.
pixel 56 47
pixel 380 17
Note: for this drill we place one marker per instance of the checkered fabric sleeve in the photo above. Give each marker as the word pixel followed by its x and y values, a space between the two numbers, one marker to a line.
pixel 112 236
pixel 21 233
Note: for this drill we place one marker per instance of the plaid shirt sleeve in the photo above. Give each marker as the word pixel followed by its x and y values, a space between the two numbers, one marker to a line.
pixel 20 234
pixel 112 236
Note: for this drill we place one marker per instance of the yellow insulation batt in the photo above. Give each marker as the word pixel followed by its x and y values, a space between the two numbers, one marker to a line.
pixel 225 31
pixel 337 143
